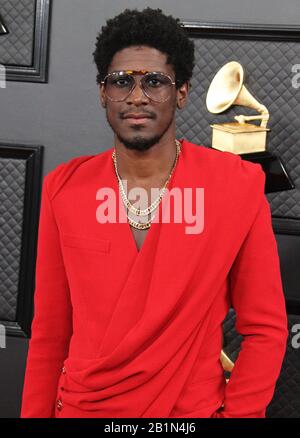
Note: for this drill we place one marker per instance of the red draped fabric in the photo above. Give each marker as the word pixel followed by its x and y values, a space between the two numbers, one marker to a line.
pixel 119 332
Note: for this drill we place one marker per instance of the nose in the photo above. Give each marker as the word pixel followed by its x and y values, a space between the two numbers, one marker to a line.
pixel 137 95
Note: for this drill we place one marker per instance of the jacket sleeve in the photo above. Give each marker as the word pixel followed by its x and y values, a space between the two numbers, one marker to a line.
pixel 258 299
pixel 52 322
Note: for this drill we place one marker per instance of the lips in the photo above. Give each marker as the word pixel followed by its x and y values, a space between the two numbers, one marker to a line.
pixel 137 119
pixel 137 116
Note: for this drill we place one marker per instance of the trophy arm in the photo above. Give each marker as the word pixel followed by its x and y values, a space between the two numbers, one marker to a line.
pixel 263 117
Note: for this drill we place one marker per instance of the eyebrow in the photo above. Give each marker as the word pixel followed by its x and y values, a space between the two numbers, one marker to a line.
pixel 130 71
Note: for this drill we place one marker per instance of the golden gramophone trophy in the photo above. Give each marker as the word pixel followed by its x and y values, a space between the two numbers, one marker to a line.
pixel 243 137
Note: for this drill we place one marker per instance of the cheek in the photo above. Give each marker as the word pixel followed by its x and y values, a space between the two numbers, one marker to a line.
pixel 112 114
pixel 167 111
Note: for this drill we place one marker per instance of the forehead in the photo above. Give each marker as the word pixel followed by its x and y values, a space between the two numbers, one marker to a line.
pixel 140 58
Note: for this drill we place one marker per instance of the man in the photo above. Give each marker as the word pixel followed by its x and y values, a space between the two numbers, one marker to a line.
pixel 128 313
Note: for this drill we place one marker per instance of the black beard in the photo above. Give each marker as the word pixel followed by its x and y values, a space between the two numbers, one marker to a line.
pixel 140 143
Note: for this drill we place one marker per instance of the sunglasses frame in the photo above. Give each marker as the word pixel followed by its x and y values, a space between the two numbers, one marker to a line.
pixel 139 72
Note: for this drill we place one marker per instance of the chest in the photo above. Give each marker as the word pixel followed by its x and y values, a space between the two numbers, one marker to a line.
pixel 139 236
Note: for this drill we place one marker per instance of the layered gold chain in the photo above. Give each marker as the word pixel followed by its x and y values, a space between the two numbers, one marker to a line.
pixel 155 203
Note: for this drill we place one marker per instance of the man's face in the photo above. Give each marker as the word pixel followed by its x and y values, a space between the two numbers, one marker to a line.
pixel 141 136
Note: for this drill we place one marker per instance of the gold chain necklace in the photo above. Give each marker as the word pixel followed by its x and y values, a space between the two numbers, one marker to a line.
pixel 155 203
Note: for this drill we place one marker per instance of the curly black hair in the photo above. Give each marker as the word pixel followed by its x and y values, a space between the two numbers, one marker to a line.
pixel 149 27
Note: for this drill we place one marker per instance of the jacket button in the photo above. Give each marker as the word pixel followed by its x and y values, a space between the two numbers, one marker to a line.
pixel 63 370
pixel 59 404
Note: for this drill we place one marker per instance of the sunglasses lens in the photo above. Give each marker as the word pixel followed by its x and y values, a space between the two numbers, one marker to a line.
pixel 157 86
pixel 118 86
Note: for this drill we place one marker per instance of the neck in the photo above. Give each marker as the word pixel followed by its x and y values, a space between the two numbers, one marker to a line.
pixel 146 166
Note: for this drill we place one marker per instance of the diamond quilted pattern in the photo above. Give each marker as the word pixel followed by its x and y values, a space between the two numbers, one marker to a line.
pixel 12 189
pixel 268 66
pixel 17 46
pixel 286 399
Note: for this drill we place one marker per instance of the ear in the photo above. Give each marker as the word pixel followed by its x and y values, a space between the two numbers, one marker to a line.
pixel 182 95
pixel 102 96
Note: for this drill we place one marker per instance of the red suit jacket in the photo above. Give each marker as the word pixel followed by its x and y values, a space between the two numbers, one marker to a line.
pixel 119 332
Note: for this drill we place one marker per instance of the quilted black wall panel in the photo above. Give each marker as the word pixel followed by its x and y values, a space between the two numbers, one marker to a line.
pixel 24 48
pixel 12 189
pixel 286 400
pixel 16 48
pixel 20 183
pixel 269 77
pixel 268 55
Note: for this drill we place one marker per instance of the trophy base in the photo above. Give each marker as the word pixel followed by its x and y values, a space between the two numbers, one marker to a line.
pixel 277 178
pixel 239 138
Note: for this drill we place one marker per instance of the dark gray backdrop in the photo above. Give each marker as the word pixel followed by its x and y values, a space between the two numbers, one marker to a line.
pixel 65 116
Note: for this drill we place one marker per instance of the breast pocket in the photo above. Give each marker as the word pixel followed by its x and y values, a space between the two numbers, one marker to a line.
pixel 93 244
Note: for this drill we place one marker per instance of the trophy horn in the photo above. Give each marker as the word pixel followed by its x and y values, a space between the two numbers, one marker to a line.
pixel 227 89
